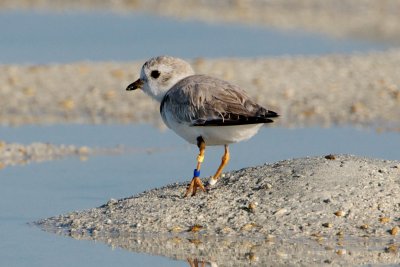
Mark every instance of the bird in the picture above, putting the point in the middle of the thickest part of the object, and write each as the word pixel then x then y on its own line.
pixel 203 110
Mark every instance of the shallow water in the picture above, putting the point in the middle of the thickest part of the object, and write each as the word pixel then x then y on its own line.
pixel 43 37
pixel 41 190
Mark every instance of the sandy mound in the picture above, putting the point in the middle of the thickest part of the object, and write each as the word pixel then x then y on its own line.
pixel 297 202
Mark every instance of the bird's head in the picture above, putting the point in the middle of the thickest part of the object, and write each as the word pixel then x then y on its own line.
pixel 159 74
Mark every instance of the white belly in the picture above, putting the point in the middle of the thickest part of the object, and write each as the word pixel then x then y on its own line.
pixel 216 135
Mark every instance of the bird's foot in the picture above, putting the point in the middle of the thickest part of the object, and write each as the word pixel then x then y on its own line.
pixel 194 185
pixel 210 184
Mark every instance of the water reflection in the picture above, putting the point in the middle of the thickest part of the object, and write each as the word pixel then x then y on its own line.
pixel 201 250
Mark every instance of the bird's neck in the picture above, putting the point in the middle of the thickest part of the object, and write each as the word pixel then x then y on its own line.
pixel 156 94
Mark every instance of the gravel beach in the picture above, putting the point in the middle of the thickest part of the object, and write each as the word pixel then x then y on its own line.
pixel 360 90
pixel 334 207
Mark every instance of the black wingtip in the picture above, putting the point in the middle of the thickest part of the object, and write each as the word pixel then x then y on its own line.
pixel 271 114
pixel 240 120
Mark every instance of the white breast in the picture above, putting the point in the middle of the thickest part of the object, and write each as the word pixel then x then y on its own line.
pixel 215 135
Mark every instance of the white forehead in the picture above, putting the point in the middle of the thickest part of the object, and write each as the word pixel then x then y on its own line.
pixel 166 64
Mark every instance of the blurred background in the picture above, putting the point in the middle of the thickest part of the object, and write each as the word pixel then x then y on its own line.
pixel 66 31
pixel 330 68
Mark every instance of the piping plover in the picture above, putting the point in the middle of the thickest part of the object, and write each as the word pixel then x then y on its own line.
pixel 201 109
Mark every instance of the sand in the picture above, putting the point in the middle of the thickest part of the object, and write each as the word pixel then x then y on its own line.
pixel 338 209
pixel 361 90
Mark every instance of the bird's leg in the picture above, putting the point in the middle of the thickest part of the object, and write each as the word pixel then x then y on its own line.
pixel 195 263
pixel 196 182
pixel 224 162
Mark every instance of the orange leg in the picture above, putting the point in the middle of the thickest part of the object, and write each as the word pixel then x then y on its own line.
pixel 196 182
pixel 195 263
pixel 224 162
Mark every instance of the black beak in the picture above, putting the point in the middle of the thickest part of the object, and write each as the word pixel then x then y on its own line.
pixel 135 85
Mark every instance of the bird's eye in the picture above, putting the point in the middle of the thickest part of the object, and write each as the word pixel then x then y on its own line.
pixel 155 74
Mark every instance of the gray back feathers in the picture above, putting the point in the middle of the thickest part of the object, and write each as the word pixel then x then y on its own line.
pixel 200 100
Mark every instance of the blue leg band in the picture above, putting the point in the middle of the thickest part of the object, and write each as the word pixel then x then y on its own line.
pixel 196 173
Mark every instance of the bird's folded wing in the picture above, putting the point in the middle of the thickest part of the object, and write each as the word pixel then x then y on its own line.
pixel 205 101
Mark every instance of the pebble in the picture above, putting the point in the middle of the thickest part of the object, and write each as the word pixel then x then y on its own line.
pixel 196 228
pixel 330 156
pixel 112 201
pixel 341 252
pixel 248 227
pixel 252 206
pixel 393 248
pixel 176 229
pixel 280 212
pixel 268 186
pixel 327 225
pixel 384 219
pixel 340 233
pixel 340 213
pixel 394 230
